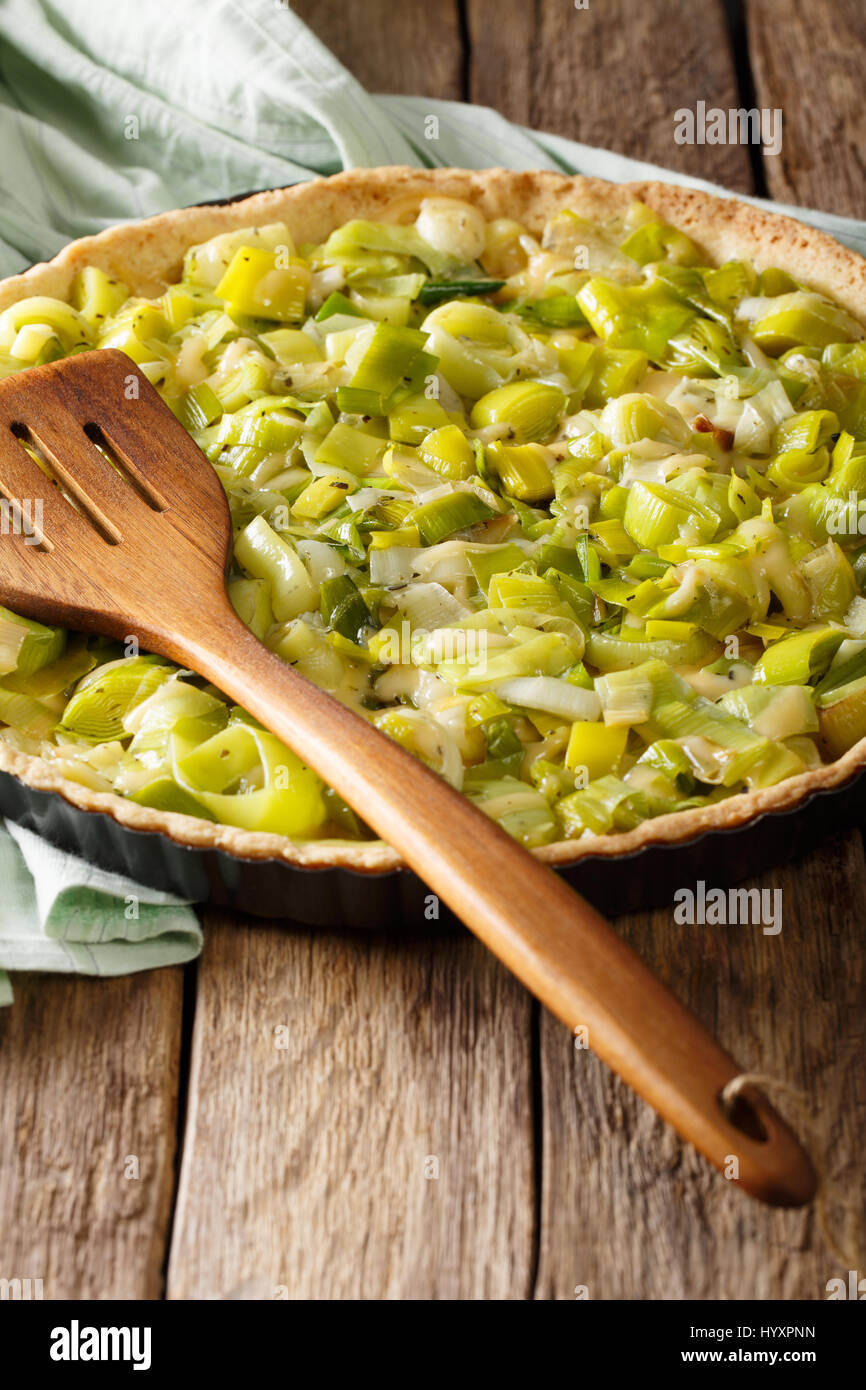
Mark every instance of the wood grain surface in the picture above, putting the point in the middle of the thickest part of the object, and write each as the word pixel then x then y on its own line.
pixel 88 1124
pixel 808 61
pixel 359 1120
pixel 612 74
pixel 414 47
pixel 303 1166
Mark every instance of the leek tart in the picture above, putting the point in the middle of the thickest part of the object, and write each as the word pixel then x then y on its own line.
pixel 556 482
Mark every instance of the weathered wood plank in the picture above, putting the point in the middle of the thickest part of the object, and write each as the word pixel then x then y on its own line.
pixel 613 74
pixel 89 1083
pixel 412 48
pixel 807 60
pixel 629 1212
pixel 333 1077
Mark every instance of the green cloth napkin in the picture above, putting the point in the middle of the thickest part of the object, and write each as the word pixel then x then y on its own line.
pixel 113 110
pixel 59 913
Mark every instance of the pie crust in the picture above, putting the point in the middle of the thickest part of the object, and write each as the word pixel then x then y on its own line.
pixel 148 255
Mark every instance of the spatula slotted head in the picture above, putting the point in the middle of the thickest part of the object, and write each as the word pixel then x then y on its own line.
pixel 122 525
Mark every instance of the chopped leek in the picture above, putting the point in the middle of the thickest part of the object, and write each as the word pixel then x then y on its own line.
pixel 588 539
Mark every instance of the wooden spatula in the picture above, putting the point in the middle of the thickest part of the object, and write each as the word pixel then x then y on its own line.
pixel 141 548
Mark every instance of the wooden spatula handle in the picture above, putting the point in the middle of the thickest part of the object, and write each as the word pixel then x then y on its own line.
pixel 552 940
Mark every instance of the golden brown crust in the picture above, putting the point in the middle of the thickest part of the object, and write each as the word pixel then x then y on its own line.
pixel 148 255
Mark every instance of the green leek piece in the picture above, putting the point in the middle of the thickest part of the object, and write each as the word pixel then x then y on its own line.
pixel 97 710
pixel 337 303
pixel 591 446
pixel 56 676
pixel 730 283
pixel 615 371
pixel 205 265
pixel 848 470
pixel 386 369
pixel 199 408
pixel 343 532
pixel 291 346
pixel 261 284
pixel 552 311
pixel 588 560
pixel 347 241
pixel 182 303
pixel 611 653
pixel 174 709
pixel 605 805
pixel 33 718
pixel 309 650
pixel 522 811
pixel 798 468
pixel 849 359
pixel 249 379
pixel 560 558
pixel 678 713
pixel 470 369
pixel 350 447
pixel 612 535
pixel 531 410
pixel 578 364
pixel 807 430
pixel 689 285
pixel 25 645
pixel 413 419
pixel 799 658
pixel 641 318
pixel 703 348
pixel 776 711
pixel 656 241
pixel 70 327
pixel 802 318
pixel 96 295
pixel 264 423
pixel 286 799
pixel 544 654
pixel 164 794
pixel 384 287
pixel 494 560
pixel 831 686
pixel 445 515
pixel 633 417
pixel 670 758
pixel 437 291
pixel 503 745
pixel 570 480
pixel 449 452
pixel 831 581
pixel 595 748
pixel 627 697
pixel 343 609
pixel 321 497
pixel 266 555
pixel 655 515
pixel 393 309
pixel 524 470
pixel 482 708
pixel 518 588
pixel 843 722
pixel 251 600
pixel 779 761
pixel 773 282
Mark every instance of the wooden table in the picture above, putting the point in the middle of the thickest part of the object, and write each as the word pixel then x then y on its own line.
pixel 343 1115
